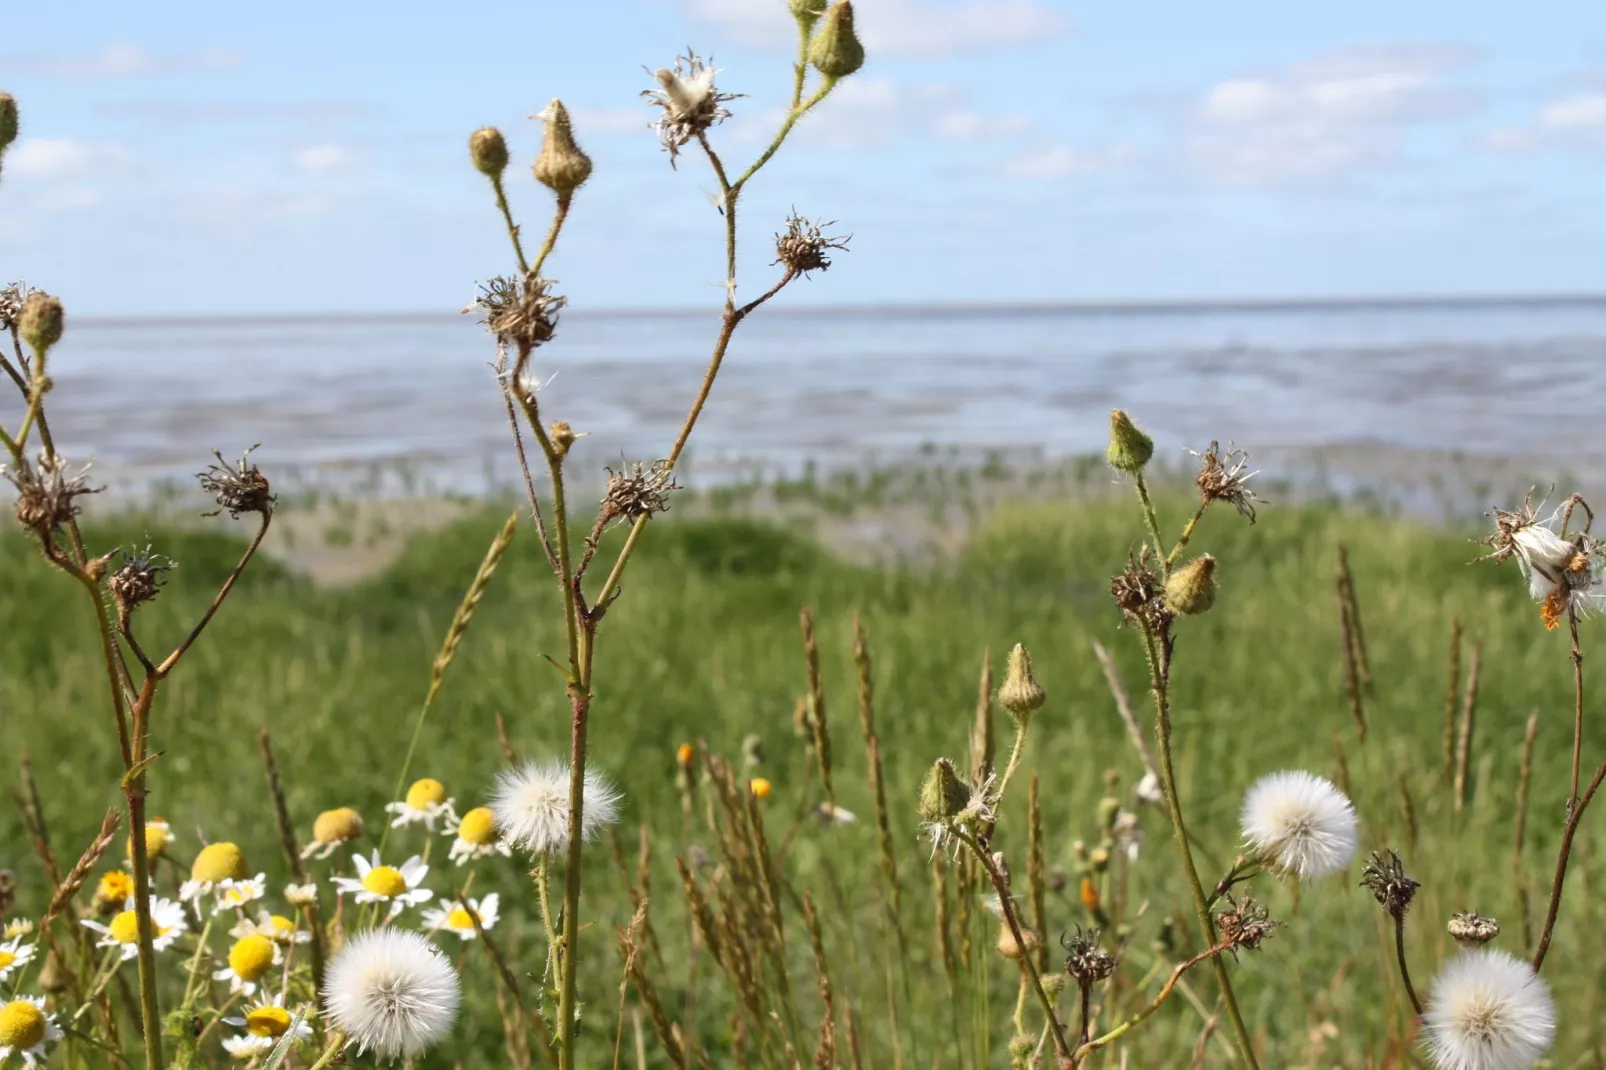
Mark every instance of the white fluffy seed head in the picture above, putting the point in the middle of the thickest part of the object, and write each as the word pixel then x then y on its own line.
pixel 1488 1011
pixel 531 805
pixel 393 991
pixel 1300 823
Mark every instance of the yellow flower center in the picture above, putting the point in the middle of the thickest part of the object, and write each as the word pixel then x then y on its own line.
pixel 267 1022
pixel 6 959
pixel 386 881
pixel 337 826
pixel 115 887
pixel 478 827
pixel 759 787
pixel 125 928
pixel 459 919
pixel 219 862
pixel 22 1025
pixel 157 837
pixel 426 793
pixel 282 927
pixel 251 956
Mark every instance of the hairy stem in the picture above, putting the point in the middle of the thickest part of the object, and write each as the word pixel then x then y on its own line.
pixel 1089 1047
pixel 1405 971
pixel 507 219
pixel 1150 519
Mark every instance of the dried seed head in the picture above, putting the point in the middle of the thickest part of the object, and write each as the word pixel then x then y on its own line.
pixel 1083 958
pixel 139 579
pixel 8 119
pixel 943 796
pixel 41 322
pixel 1013 949
pixel 488 151
pixel 1191 589
pixel 524 315
pixel 1245 924
pixel 1385 876
pixel 1140 593
pixel 1566 573
pixel 1021 693
pixel 802 246
pixel 12 298
pixel 561 166
pixel 638 492
pixel 690 102
pixel 241 488
pixel 47 494
pixel 1473 930
pixel 1129 449
pixel 1224 479
pixel 563 437
pixel 834 49
pixel 806 12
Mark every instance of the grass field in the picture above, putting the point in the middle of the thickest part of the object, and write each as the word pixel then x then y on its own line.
pixel 705 646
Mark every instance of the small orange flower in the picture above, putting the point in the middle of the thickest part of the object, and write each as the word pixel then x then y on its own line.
pixel 685 754
pixel 1090 894
pixel 759 787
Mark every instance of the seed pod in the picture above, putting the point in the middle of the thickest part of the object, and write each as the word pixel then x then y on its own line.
pixel 561 166
pixel 835 50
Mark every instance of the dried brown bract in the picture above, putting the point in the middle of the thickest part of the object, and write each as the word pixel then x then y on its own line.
pixel 803 246
pixel 1473 930
pixel 1140 593
pixel 1084 960
pixel 639 491
pixel 1385 876
pixel 241 488
pixel 1223 479
pixel 522 315
pixel 690 102
pixel 1245 924
pixel 12 298
pixel 47 494
pixel 139 579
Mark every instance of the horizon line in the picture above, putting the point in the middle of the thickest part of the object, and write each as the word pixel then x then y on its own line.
pixel 1162 306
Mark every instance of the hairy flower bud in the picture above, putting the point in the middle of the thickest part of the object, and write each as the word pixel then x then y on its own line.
pixel 1021 693
pixel 835 50
pixel 8 120
pixel 1129 449
pixel 561 166
pixel 943 795
pixel 41 322
pixel 806 12
pixel 488 149
pixel 1192 588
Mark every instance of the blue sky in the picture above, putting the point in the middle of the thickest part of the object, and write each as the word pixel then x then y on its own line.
pixel 282 157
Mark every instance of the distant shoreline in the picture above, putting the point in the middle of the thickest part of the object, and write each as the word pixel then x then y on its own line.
pixel 1356 303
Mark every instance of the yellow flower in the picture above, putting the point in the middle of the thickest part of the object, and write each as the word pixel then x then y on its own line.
pixel 331 829
pixel 426 802
pixel 760 787
pixel 158 834
pixel 114 889
pixel 250 958
pixel 477 837
pixel 685 754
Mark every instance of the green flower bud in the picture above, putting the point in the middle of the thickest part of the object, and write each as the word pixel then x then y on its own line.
pixel 488 150
pixel 1192 588
pixel 943 796
pixel 1109 806
pixel 806 12
pixel 835 50
pixel 1130 449
pixel 561 166
pixel 41 322
pixel 1021 693
pixel 8 120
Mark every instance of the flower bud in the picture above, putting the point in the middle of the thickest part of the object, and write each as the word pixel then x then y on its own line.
pixel 488 149
pixel 1011 948
pixel 561 166
pixel 943 796
pixel 41 322
pixel 835 50
pixel 1109 807
pixel 1021 693
pixel 1099 858
pixel 1192 588
pixel 806 12
pixel 8 120
pixel 1129 449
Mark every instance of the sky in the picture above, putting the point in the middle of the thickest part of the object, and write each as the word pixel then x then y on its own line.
pixel 205 159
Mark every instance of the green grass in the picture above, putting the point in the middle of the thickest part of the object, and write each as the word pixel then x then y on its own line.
pixel 704 646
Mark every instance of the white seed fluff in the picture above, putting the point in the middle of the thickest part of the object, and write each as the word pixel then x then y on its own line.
pixel 1300 823
pixel 391 990
pixel 531 805
pixel 1488 1011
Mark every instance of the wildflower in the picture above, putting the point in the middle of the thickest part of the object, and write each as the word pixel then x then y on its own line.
pixel 48 493
pixel 1300 823
pixel 532 806
pixel 1084 960
pixel 1021 693
pixel 1385 876
pixel 684 754
pixel 158 834
pixel 1149 789
pixel 13 955
pixel 301 895
pixel 391 990
pixel 562 166
pixel 114 888
pixel 265 1022
pixel 760 787
pixel 17 927
pixel 1564 574
pixel 1221 480
pixel 167 924
pixel 1140 593
pixel 41 322
pixel 831 814
pixel 1488 1011
pixel 1129 449
pixel 217 863
pixel 477 837
pixel 234 894
pixel 249 958
pixel 803 246
pixel 27 1029
pixel 379 883
pixel 276 927
pixel 331 829
pixel 426 802
pixel 239 489
pixel 638 492
pixel 690 102
pixel 834 49
pixel 487 150
pixel 1473 930
pixel 456 919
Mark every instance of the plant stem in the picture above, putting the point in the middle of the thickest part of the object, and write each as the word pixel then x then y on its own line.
pixel 1405 971
pixel 1087 1048
pixel 1187 533
pixel 1149 518
pixel 1561 865
pixel 1577 655
pixel 507 218
pixel 558 217
pixel 336 1042
pixel 580 703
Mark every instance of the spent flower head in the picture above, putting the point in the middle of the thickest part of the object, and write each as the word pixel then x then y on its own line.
pixel 140 577
pixel 1473 930
pixel 690 101
pixel 12 298
pixel 803 246
pixel 1244 924
pixel 238 488
pixel 531 804
pixel 392 991
pixel 1300 823
pixel 1566 573
pixel 1140 593
pixel 1223 479
pixel 1084 959
pixel 1385 876
pixel 47 493
pixel 1488 1010
pixel 521 314
pixel 637 491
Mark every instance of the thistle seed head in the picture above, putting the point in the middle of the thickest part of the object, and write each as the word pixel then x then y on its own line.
pixel 1385 876
pixel 638 491
pixel 523 315
pixel 240 488
pixel 47 494
pixel 1473 930
pixel 1245 924
pixel 690 102
pixel 1223 479
pixel 1140 594
pixel 139 579
pixel 1084 960
pixel 802 246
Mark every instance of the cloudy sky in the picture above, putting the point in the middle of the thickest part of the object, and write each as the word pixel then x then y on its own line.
pixel 297 156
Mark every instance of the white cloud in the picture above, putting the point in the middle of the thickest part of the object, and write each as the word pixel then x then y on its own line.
pixel 1064 161
pixel 322 159
pixel 870 113
pixel 63 158
pixel 122 61
pixel 1568 122
pixel 1321 117
pixel 1575 113
pixel 895 29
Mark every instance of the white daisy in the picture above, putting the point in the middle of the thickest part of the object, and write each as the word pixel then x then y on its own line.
pixel 532 806
pixel 426 803
pixel 250 958
pixel 17 927
pixel 265 1022
pixel 167 923
pixel 13 955
pixel 477 837
pixel 215 864
pixel 276 927
pixel 454 919
pixel 379 883
pixel 331 829
pixel 1300 823
pixel 27 1029
pixel 301 895
pixel 1488 1011
pixel 391 990
pixel 235 894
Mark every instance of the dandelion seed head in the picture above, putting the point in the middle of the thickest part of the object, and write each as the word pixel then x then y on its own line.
pixel 1488 1011
pixel 1300 823
pixel 392 991
pixel 531 804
